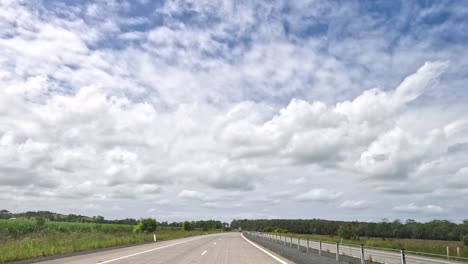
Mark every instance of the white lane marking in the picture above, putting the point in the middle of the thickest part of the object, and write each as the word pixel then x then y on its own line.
pixel 146 251
pixel 268 253
pixel 204 252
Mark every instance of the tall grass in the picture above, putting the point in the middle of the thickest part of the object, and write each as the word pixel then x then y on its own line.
pixel 22 227
pixel 23 239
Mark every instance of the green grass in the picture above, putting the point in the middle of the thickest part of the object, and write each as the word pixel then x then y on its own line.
pixel 171 228
pixel 415 245
pixel 23 239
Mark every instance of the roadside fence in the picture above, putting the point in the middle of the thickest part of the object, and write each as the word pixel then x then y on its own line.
pixel 347 253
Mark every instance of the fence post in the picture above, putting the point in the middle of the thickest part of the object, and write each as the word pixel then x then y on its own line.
pixel 320 248
pixel 154 237
pixel 307 250
pixel 458 251
pixel 448 253
pixel 290 242
pixel 363 261
pixel 337 251
pixel 299 244
pixel 403 257
pixel 285 237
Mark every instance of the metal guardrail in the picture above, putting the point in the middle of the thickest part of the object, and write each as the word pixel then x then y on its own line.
pixel 362 254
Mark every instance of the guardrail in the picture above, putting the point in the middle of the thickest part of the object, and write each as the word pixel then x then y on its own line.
pixel 362 254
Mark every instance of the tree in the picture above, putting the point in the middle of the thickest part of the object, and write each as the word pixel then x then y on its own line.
pixel 146 225
pixel 465 240
pixel 345 232
pixel 96 219
pixel 187 226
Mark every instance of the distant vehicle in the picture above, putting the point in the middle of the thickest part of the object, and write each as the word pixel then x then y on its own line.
pixel 239 229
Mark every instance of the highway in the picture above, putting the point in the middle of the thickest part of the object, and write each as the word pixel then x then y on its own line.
pixel 209 249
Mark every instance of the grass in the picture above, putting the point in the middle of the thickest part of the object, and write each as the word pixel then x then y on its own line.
pixel 414 245
pixel 24 239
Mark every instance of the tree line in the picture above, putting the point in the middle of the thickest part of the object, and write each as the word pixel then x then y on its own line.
pixel 435 230
pixel 51 216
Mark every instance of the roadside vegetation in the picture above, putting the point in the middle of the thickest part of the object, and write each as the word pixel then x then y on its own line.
pixel 24 239
pixel 431 237
pixel 432 230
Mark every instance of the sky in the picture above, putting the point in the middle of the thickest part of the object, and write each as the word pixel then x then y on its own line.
pixel 347 110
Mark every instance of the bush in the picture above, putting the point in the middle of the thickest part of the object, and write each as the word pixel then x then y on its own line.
pixel 281 230
pixel 465 240
pixel 146 225
pixel 187 226
pixel 345 232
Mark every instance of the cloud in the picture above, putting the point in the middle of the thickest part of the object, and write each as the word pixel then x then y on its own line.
pixel 319 195
pixel 355 204
pixel 459 179
pixel 191 194
pixel 146 102
pixel 413 208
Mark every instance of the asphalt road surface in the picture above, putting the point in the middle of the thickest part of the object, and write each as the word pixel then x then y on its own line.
pixel 210 249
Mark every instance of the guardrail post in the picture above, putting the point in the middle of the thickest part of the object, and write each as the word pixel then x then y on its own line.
pixel 403 257
pixel 285 237
pixel 298 244
pixel 320 248
pixel 363 261
pixel 448 253
pixel 337 251
pixel 307 250
pixel 290 242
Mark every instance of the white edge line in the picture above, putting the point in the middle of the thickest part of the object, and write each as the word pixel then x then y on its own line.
pixel 146 251
pixel 204 252
pixel 264 251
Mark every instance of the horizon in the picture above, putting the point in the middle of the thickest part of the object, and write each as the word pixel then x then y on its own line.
pixel 403 221
pixel 245 110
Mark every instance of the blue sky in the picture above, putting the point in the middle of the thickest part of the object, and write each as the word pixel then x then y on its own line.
pixel 236 109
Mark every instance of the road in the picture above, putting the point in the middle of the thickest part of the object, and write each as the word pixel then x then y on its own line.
pixel 380 256
pixel 210 249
